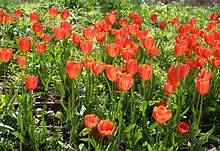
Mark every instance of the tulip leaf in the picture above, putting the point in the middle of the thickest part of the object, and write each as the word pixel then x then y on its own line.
pixel 184 112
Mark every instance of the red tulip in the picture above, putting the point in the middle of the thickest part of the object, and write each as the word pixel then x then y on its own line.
pixel 153 51
pixel 134 15
pixel 217 52
pixel 46 37
pixel 175 21
pixel 162 25
pixel 88 33
pixel 24 44
pixel 31 82
pixel 21 60
pixel 179 49
pixel 184 70
pixel 205 74
pixel 110 18
pixel 209 38
pixel 148 43
pixel 41 47
pixel 211 25
pixel 137 21
pixel 98 67
pixel 76 38
pixel 88 63
pixel 193 22
pixel 6 54
pixel 202 85
pixel 2 13
pixel 65 14
pixel 153 17
pixel 73 69
pixel 173 73
pixel 105 128
pixel 18 13
pixel 106 26
pixel 100 37
pixel 53 11
pixel 9 18
pixel 127 54
pixel 67 28
pixel 183 128
pixel 145 72
pixel 124 81
pixel 123 22
pixel 161 114
pixel 131 66
pixel 91 120
pixel 133 29
pixel 112 72
pixel 112 49
pixel 200 61
pixel 34 17
pixel 85 47
pixel 141 34
pixel 213 16
pixel 168 88
pixel 191 63
pixel 216 62
pixel 59 33
pixel 37 27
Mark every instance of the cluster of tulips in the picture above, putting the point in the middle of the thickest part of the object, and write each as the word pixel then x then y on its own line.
pixel 120 65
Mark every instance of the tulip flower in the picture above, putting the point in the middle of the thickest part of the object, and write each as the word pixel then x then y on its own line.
pixel 46 37
pixel 88 63
pixel 98 67
pixel 53 11
pixel 123 22
pixel 175 21
pixel 105 127
pixel 85 47
pixel 162 25
pixel 21 60
pixel 34 17
pixel 173 73
pixel 184 70
pixel 100 37
pixel 183 128
pixel 112 72
pixel 59 33
pixel 213 16
pixel 148 43
pixel 76 38
pixel 31 82
pixel 67 28
pixel 24 44
pixel 131 66
pixel 6 54
pixel 65 14
pixel 41 47
pixel 18 13
pixel 112 49
pixel 110 18
pixel 202 85
pixel 193 22
pixel 153 51
pixel 91 120
pixel 133 29
pixel 124 81
pixel 88 33
pixel 73 69
pixel 215 62
pixel 145 72
pixel 179 49
pixel 9 18
pixel 153 17
pixel 161 114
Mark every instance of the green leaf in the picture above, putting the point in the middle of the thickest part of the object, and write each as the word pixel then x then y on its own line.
pixel 149 147
pixel 84 139
pixel 184 112
pixel 153 126
pixel 129 128
pixel 6 127
pixel 18 135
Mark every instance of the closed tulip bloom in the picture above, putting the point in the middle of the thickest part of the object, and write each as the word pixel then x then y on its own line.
pixel 148 43
pixel 154 51
pixel 124 81
pixel 110 18
pixel 216 62
pixel 202 85
pixel 153 17
pixel 134 15
pixel 213 16
pixel 137 21
pixel 88 33
pixel 53 11
pixel 73 69
pixel 85 47
pixel 209 38
pixel 67 28
pixel 145 72
pixel 91 120
pixel 24 44
pixel 161 115
pixel 65 14
pixel 141 34
pixel 46 37
pixel 9 18
pixel 184 70
pixel 31 82
pixel 18 13
pixel 173 73
pixel 76 38
pixel 175 21
pixel 112 72
pixel 98 67
pixel 99 26
pixel 217 52
pixel 106 26
pixel 193 22
pixel 37 27
pixel 211 25
pixel 21 60
pixel 105 128
pixel 2 12
pixel 123 22
pixel 168 88
pixel 59 33
pixel 100 37
pixel 131 66
pixel 133 29
pixel 41 47
pixel 200 61
pixel 179 49
pixel 112 49
pixel 183 128
pixel 88 63
pixel 127 54
pixel 34 17
pixel 6 54
pixel 162 25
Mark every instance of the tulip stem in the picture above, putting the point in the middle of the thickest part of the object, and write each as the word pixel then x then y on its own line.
pixel 4 79
pixel 89 147
pixel 72 109
pixel 132 105
pixel 200 111
pixel 120 116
